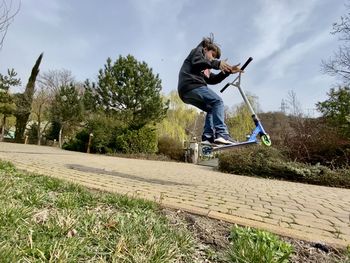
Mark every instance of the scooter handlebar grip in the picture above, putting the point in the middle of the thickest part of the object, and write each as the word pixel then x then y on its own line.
pixel 226 86
pixel 246 63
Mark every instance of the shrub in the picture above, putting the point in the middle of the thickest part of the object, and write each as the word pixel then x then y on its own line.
pixel 143 140
pixel 79 143
pixel 53 131
pixel 111 135
pixel 269 162
pixel 308 140
pixel 171 147
pixel 250 245
pixel 104 129
pixel 249 161
pixel 315 141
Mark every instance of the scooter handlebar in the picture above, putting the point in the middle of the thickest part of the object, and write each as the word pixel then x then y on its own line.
pixel 226 86
pixel 246 63
pixel 242 68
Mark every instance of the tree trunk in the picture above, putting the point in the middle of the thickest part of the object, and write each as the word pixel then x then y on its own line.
pixel 21 123
pixel 39 132
pixel 60 137
pixel 39 126
pixel 3 128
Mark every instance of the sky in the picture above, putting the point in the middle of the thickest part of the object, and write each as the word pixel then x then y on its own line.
pixel 287 39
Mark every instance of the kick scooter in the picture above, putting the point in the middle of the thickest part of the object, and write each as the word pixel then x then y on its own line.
pixel 257 133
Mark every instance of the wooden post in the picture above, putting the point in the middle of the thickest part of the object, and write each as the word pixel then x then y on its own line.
pixel 89 144
pixel 194 152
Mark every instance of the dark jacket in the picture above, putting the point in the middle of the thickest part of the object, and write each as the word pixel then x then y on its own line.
pixel 191 74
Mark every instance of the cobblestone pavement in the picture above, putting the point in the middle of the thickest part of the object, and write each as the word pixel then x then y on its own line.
pixel 308 212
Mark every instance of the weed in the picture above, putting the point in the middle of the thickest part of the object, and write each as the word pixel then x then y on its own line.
pixel 250 245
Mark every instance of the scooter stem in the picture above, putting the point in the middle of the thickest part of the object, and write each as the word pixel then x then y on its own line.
pixel 244 96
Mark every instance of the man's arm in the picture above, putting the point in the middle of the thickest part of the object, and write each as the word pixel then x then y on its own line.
pixel 216 78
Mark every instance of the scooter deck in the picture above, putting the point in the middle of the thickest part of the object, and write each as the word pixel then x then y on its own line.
pixel 230 146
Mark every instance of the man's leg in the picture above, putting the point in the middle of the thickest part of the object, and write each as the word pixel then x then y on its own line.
pixel 221 130
pixel 208 101
pixel 218 112
pixel 208 131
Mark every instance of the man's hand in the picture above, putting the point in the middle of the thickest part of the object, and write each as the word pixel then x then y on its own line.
pixel 224 66
pixel 236 69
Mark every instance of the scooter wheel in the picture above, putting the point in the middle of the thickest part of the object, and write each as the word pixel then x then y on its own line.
pixel 265 139
pixel 206 150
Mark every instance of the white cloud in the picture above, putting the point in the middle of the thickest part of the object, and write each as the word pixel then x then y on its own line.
pixel 296 55
pixel 48 13
pixel 277 22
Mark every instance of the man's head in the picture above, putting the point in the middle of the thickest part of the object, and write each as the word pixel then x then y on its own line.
pixel 210 54
pixel 211 49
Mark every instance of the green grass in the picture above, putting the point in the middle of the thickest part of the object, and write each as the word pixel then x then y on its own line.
pixel 347 254
pixel 255 246
pixel 47 220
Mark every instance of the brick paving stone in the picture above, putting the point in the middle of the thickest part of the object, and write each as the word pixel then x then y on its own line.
pixel 275 222
pixel 333 220
pixel 274 208
pixel 309 212
pixel 316 231
pixel 304 221
pixel 345 218
pixel 299 212
pixel 283 218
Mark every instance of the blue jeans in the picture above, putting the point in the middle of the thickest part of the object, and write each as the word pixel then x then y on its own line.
pixel 207 100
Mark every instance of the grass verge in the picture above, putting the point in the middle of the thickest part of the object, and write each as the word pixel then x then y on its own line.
pixel 45 219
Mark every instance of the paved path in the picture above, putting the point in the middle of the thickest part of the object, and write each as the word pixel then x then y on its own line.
pixel 297 210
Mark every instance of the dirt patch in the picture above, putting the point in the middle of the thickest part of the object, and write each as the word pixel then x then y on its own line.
pixel 212 240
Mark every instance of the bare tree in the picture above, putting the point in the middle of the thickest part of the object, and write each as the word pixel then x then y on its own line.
pixel 41 102
pixel 49 85
pixel 339 64
pixel 294 104
pixel 53 80
pixel 7 14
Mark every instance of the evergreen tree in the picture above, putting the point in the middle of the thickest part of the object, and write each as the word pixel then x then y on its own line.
pixel 129 89
pixel 89 98
pixel 336 109
pixel 67 108
pixel 24 102
pixel 7 105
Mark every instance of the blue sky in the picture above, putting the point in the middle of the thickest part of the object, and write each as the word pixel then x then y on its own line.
pixel 288 40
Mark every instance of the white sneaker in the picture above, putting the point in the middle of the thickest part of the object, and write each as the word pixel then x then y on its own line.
pixel 206 142
pixel 225 140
